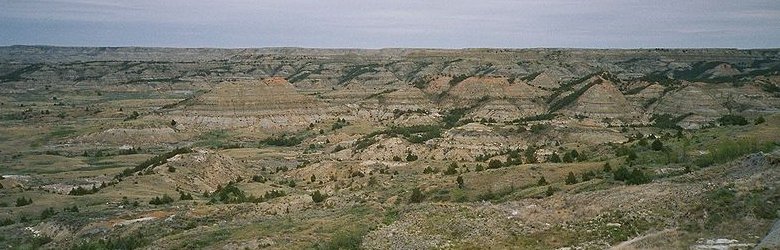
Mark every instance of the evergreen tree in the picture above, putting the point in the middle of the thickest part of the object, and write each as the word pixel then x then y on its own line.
pixel 554 158
pixel 571 179
pixel 550 191
pixel 657 145
pixel 530 155
pixel 460 181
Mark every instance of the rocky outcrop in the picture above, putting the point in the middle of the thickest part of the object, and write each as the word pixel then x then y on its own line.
pixel 200 171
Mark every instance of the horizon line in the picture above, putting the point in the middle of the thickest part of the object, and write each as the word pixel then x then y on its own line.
pixel 389 48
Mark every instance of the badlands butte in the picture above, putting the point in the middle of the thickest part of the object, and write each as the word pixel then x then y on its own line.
pixel 289 148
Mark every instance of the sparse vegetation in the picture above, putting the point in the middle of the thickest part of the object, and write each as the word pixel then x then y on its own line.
pixel 728 150
pixel 378 150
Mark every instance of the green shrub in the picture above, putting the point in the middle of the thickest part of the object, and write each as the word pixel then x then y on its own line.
pixel 539 128
pixel 493 164
pixel 184 196
pixel 411 157
pixel 457 79
pixel 759 120
pixel 282 141
pixel 48 213
pixel 542 181
pixel 416 196
pixel 6 222
pixel 340 123
pixel 132 241
pixel 73 209
pixel 153 162
pixel 273 194
pixel 318 197
pixel 132 116
pixel 161 201
pixel 633 177
pixel 554 158
pixel 348 239
pixel 83 191
pixel 258 178
pixel 452 169
pixel 668 121
pixel 607 168
pixel 729 120
pixel 21 201
pixel 452 117
pixel 563 102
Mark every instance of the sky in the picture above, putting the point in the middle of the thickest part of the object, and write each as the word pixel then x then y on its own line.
pixel 393 23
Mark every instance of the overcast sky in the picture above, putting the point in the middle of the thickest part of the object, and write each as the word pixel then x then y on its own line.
pixel 392 23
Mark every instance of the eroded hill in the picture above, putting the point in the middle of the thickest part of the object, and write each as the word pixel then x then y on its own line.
pixel 393 148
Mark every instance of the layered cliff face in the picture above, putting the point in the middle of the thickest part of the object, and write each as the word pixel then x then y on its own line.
pixel 603 101
pixel 264 104
pixel 691 100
